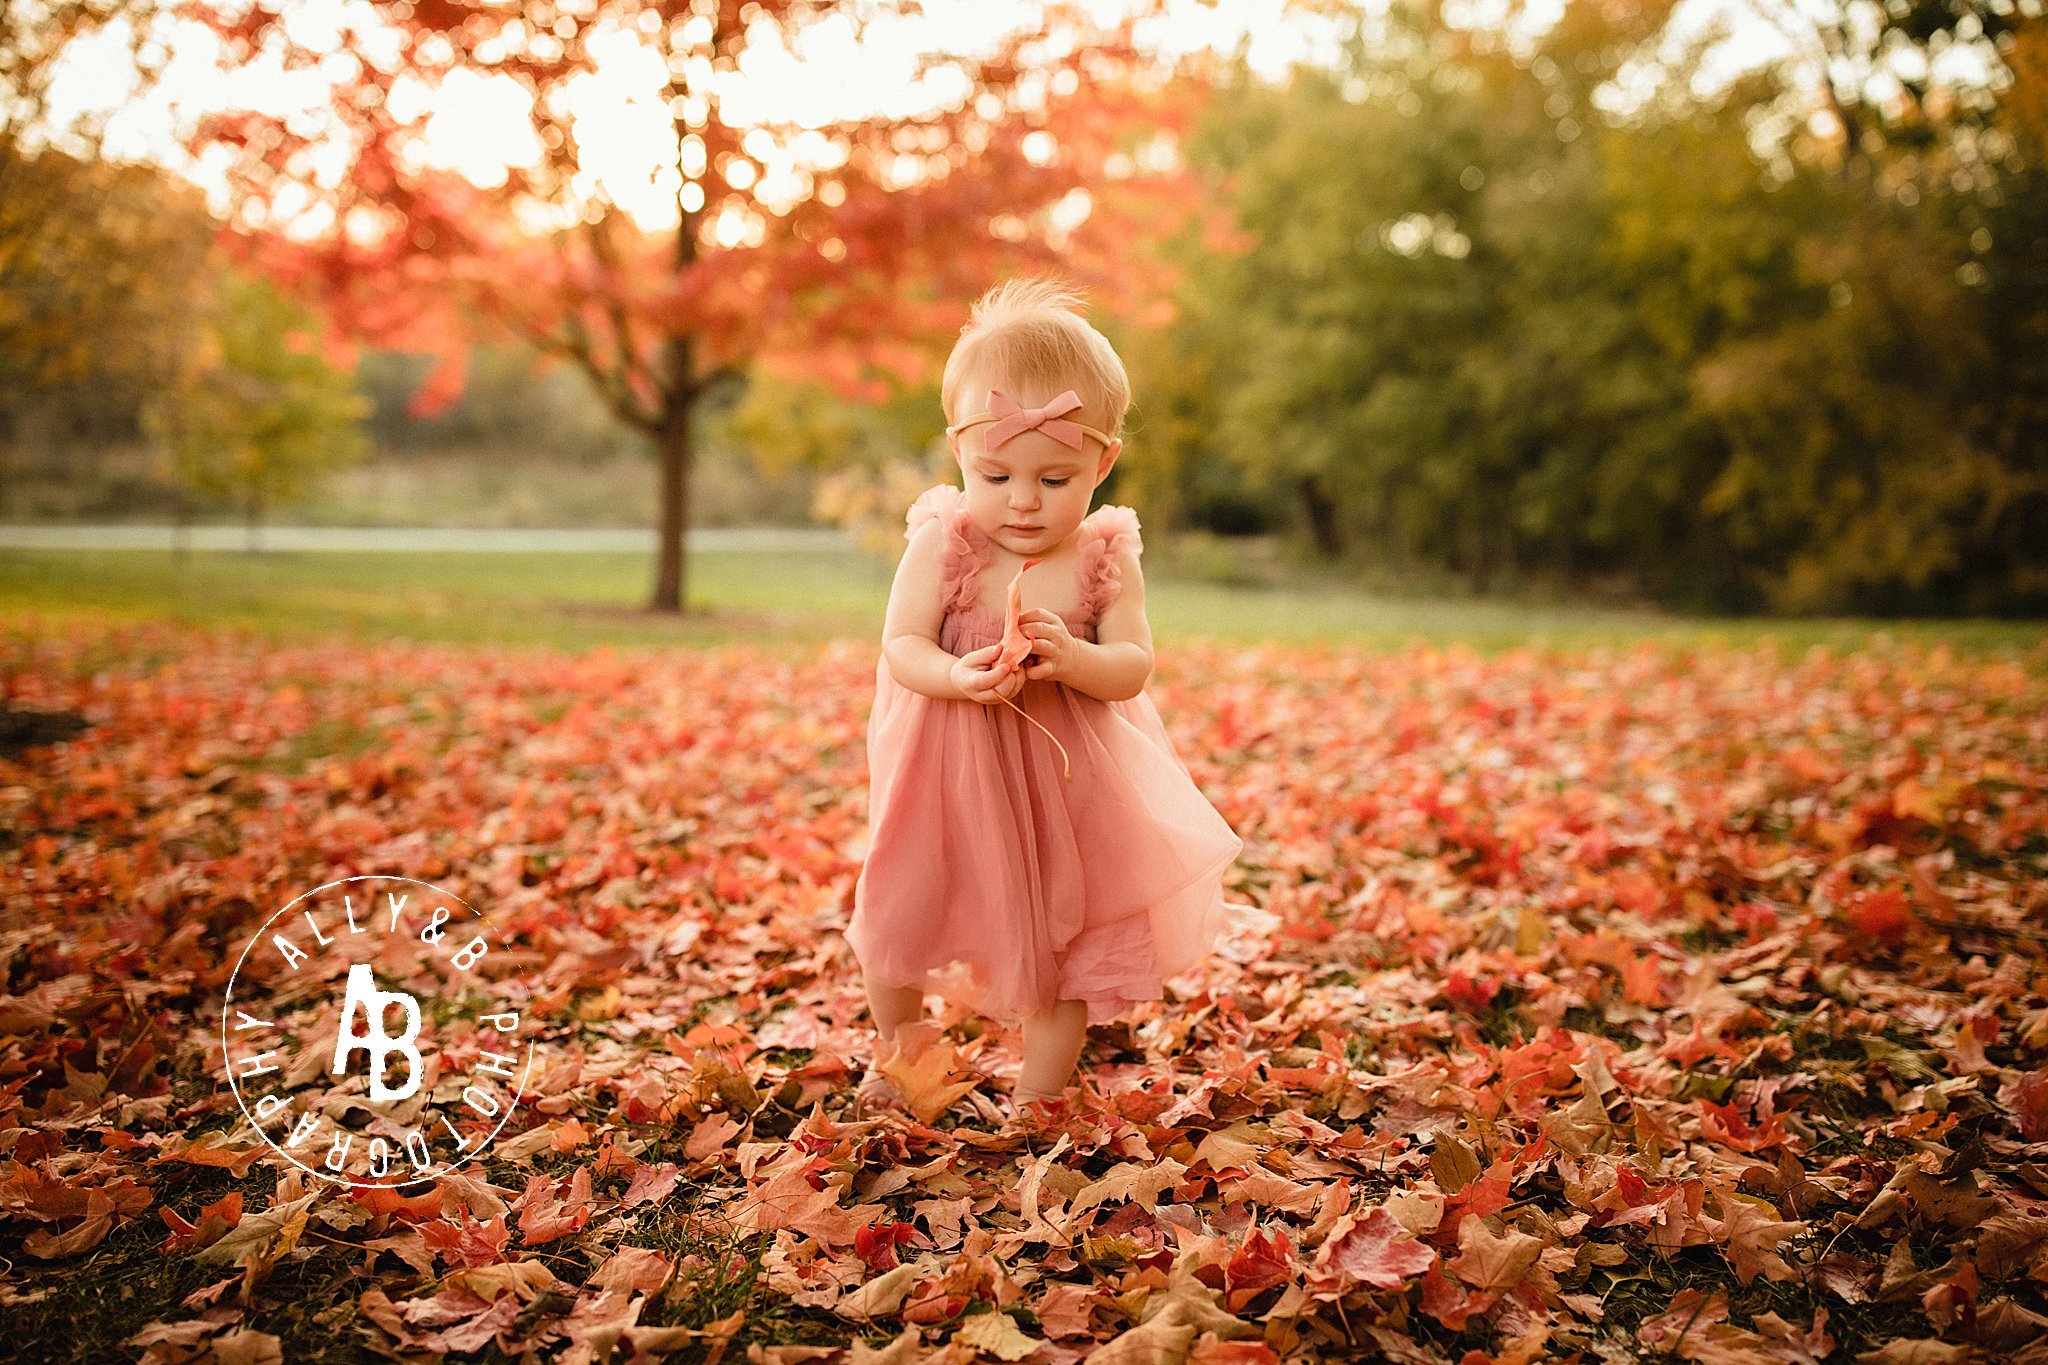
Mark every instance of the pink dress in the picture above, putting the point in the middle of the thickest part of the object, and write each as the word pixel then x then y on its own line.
pixel 992 880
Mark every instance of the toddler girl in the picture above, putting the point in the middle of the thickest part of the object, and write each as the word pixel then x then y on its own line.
pixel 1052 890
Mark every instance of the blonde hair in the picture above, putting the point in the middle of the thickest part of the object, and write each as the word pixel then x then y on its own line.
pixel 1031 332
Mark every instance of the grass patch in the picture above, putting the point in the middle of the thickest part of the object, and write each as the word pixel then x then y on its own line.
pixel 93 1304
pixel 577 602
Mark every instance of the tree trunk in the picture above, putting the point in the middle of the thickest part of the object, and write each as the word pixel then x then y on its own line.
pixel 1479 547
pixel 181 527
pixel 1322 517
pixel 674 452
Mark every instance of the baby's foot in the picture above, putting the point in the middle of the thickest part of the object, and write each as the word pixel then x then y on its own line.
pixel 875 1092
pixel 1027 1108
pixel 988 1110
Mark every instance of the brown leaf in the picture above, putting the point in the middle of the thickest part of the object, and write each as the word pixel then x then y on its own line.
pixel 1750 1238
pixel 245 1346
pixel 1140 1183
pixel 99 1220
pixel 1915 1353
pixel 2007 1325
pixel 1453 1164
pixel 1490 1262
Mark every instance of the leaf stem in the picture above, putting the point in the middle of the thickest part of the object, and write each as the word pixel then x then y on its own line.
pixel 1066 770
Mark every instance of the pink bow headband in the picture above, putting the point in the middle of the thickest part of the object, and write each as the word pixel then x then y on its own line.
pixel 1010 419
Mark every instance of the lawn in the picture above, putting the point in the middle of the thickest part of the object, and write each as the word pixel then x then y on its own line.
pixel 578 601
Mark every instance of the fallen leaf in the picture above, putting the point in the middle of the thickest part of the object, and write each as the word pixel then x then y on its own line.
pixel 1489 1261
pixel 553 1208
pixel 214 1220
pixel 996 1334
pixel 1374 1250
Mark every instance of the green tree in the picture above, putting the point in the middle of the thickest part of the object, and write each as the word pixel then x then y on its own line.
pixel 258 408
pixel 1877 392
pixel 1411 332
pixel 1484 321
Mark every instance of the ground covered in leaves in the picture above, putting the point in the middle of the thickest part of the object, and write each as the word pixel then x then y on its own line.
pixel 1661 1003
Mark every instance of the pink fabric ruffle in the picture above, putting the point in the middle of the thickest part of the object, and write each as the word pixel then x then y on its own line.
pixel 1116 531
pixel 963 553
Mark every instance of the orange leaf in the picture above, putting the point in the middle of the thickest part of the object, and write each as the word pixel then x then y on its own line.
pixel 214 1220
pixel 1493 1264
pixel 1017 649
pixel 1265 1259
pixel 1880 915
pixel 468 1242
pixel 1016 644
pixel 554 1209
pixel 924 1071
pixel 379 1199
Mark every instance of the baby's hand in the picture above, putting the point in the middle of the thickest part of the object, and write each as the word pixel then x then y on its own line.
pixel 1052 644
pixel 979 682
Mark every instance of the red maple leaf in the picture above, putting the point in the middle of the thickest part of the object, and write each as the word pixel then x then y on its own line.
pixel 1264 1259
pixel 554 1208
pixel 1374 1250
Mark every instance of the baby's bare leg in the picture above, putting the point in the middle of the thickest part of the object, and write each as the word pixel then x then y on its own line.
pixel 1052 1044
pixel 893 1005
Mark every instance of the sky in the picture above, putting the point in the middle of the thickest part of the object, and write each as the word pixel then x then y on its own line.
pixel 478 126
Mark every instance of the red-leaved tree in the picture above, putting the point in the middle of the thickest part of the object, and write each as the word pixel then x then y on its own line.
pixel 862 273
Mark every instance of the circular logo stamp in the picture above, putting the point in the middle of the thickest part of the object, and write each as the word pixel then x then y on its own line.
pixel 369 1038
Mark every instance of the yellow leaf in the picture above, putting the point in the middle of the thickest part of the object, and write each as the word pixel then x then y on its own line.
pixel 269 1234
pixel 996 1334
pixel 882 1295
pixel 923 1071
pixel 1532 930
pixel 1141 1183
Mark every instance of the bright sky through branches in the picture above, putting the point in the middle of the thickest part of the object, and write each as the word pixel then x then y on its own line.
pixel 478 126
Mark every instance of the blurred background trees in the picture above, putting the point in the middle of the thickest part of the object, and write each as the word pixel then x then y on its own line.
pixel 1491 326
pixel 138 370
pixel 831 244
pixel 253 409
pixel 1540 313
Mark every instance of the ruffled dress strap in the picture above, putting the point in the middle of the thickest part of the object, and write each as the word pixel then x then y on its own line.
pixel 962 554
pixel 1116 531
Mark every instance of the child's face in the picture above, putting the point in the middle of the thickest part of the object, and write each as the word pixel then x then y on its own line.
pixel 1030 494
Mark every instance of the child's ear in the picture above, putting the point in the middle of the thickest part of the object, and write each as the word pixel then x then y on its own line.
pixel 1109 454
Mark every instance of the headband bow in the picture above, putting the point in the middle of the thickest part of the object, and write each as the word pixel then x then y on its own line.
pixel 1011 418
